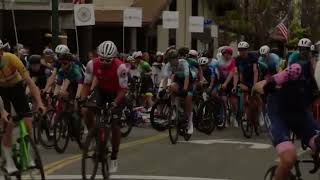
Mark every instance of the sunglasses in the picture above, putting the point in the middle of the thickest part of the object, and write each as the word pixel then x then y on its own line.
pixel 107 60
pixel 304 49
pixel 65 62
pixel 242 50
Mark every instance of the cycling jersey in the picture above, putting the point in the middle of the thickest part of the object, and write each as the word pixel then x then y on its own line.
pixel 73 74
pixel 225 68
pixel 144 67
pixel 11 70
pixel 295 57
pixel 112 78
pixel 194 67
pixel 180 71
pixel 210 72
pixel 245 68
pixel 40 76
pixel 268 65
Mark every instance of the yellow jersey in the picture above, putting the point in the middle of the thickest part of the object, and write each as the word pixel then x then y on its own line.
pixel 11 70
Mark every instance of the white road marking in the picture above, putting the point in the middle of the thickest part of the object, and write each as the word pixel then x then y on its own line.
pixel 137 177
pixel 252 145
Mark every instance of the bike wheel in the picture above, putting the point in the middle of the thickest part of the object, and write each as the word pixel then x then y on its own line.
pixel 270 174
pixel 104 155
pixel 222 115
pixel 36 171
pixel 126 121
pixel 159 115
pixel 61 133
pixel 46 130
pixel 206 122
pixel 90 159
pixel 246 126
pixel 173 120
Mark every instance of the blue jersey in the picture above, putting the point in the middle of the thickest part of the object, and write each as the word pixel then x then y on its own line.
pixel 210 71
pixel 245 68
pixel 268 65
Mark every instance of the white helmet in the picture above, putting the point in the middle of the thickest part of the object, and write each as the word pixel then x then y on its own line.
pixel 62 49
pixel 193 53
pixel 203 60
pixel 1 44
pixel 137 54
pixel 264 50
pixel 243 45
pixel 305 42
pixel 107 49
pixel 130 58
pixel 159 53
pixel 313 48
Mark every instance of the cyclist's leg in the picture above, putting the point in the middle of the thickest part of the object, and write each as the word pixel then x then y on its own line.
pixel 308 130
pixel 280 136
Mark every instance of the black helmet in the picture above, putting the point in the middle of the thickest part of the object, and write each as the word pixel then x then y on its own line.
pixel 172 54
pixel 183 51
pixel 66 57
pixel 34 59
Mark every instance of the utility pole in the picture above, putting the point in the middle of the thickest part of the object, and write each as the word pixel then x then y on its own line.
pixel 55 22
pixel 2 14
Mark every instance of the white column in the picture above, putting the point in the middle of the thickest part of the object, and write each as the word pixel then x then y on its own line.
pixel 183 36
pixel 162 38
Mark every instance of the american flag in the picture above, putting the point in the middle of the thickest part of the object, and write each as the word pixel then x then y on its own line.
pixel 281 30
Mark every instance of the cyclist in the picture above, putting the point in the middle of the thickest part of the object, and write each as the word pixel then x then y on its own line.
pixel 156 68
pixel 146 81
pixel 209 72
pixel 226 67
pixel 287 108
pixel 178 70
pixel 69 77
pixel 60 50
pixel 109 84
pixel 38 72
pixel 12 90
pixel 48 58
pixel 268 63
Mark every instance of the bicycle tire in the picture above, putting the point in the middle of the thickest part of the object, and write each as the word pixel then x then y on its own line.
pixel 37 157
pixel 205 118
pixel 271 173
pixel 104 155
pixel 246 126
pixel 61 125
pixel 127 121
pixel 173 125
pixel 156 125
pixel 225 113
pixel 44 130
pixel 86 149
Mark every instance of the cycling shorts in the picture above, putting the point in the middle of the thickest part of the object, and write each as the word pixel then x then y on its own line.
pixel 191 87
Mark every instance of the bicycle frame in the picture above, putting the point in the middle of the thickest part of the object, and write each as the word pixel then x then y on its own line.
pixel 23 146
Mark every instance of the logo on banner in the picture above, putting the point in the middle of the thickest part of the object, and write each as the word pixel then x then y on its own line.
pixel 170 19
pixel 84 14
pixel 196 24
pixel 132 17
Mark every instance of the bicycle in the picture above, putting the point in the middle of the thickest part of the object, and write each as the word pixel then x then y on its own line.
pixel 126 119
pixel 67 125
pixel 159 113
pixel 178 121
pixel 248 126
pixel 21 149
pixel 96 147
pixel 296 174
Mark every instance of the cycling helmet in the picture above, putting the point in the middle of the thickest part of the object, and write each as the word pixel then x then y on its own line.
pixel 172 54
pixel 137 54
pixel 305 42
pixel 227 50
pixel 203 60
pixel 48 52
pixel 130 58
pixel 107 49
pixel 183 51
pixel 243 45
pixel 2 46
pixel 66 57
pixel 62 49
pixel 264 50
pixel 193 53
pixel 34 59
pixel 313 48
pixel 159 53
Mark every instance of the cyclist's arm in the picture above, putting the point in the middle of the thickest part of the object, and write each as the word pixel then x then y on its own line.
pixel 88 78
pixel 123 82
pixel 229 78
pixel 51 80
pixel 236 77
pixel 186 76
pixel 255 73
